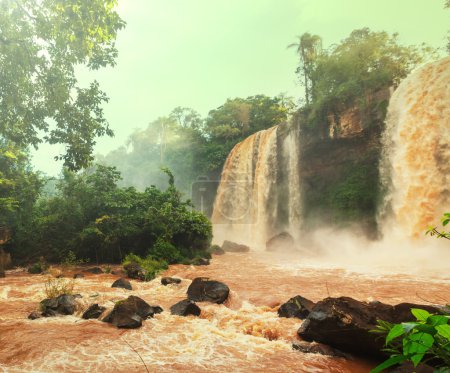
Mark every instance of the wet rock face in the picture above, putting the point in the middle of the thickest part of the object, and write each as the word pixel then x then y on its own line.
pixel 344 323
pixel 34 315
pixel 135 271
pixel 204 290
pixel 298 307
pixel 170 280
pixel 130 312
pixel 233 247
pixel 281 242
pixel 122 283
pixel 93 312
pixel 184 308
pixel 62 305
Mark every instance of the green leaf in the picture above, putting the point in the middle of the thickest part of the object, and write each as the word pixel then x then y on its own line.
pixel 416 359
pixel 417 343
pixel 419 314
pixel 408 326
pixel 388 363
pixel 444 331
pixel 437 320
pixel 395 332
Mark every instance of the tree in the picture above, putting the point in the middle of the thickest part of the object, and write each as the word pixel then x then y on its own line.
pixel 447 5
pixel 308 48
pixel 41 42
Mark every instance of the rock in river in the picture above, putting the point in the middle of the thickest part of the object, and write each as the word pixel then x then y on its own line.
pixel 298 307
pixel 203 289
pixel 130 312
pixel 184 308
pixel 233 247
pixel 122 283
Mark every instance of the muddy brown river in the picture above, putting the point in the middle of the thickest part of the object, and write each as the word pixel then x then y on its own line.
pixel 243 335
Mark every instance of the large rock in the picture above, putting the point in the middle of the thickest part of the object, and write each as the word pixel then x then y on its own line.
pixel 298 307
pixel 281 242
pixel 94 270
pixel 344 323
pixel 170 280
pixel 184 308
pixel 203 289
pixel 62 305
pixel 122 283
pixel 135 271
pixel 216 250
pixel 233 247
pixel 93 312
pixel 130 312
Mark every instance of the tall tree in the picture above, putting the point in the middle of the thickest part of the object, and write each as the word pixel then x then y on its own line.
pixel 41 42
pixel 308 48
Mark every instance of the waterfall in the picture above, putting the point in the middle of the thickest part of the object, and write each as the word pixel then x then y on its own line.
pixel 415 166
pixel 259 191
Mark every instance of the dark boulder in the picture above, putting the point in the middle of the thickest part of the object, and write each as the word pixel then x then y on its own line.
pixel 202 289
pixel 200 261
pixel 281 242
pixel 122 283
pixel 170 280
pixel 78 275
pixel 233 247
pixel 216 250
pixel 2 273
pixel 130 312
pixel 135 271
pixel 94 270
pixel 184 308
pixel 344 323
pixel 34 315
pixel 93 312
pixel 298 307
pixel 62 305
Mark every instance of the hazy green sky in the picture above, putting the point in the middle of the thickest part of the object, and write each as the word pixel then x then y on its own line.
pixel 198 53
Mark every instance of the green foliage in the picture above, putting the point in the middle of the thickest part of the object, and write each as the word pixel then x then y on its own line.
pixel 149 264
pixel 432 231
pixel 425 340
pixel 41 43
pixel 39 267
pixel 70 260
pixel 91 217
pixel 349 72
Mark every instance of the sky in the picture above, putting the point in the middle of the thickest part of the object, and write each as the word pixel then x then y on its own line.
pixel 198 53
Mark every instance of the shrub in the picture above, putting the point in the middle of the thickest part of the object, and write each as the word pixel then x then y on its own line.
pixel 55 287
pixel 425 340
pixel 38 267
pixel 150 265
pixel 71 260
pixel 163 250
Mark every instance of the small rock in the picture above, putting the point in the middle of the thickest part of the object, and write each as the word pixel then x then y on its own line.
pixel 202 289
pixel 135 271
pixel 122 283
pixel 317 348
pixel 94 270
pixel 170 280
pixel 281 242
pixel 34 315
pixel 216 250
pixel 78 275
pixel 184 308
pixel 200 262
pixel 93 312
pixel 298 307
pixel 233 247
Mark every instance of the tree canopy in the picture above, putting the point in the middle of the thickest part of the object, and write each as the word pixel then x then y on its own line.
pixel 41 44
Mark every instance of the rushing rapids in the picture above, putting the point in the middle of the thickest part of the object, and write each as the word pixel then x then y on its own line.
pixel 259 191
pixel 243 335
pixel 416 146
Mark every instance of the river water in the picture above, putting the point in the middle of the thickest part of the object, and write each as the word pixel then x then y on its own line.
pixel 243 335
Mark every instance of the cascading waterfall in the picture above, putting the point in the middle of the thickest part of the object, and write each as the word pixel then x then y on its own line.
pixel 259 194
pixel 416 151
